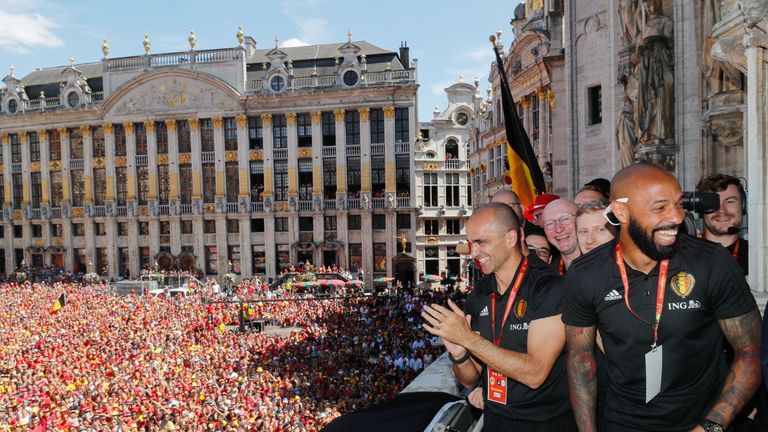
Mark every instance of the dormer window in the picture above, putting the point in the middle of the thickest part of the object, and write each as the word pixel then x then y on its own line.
pixel 350 78
pixel 277 83
pixel 73 99
pixel 13 106
pixel 462 118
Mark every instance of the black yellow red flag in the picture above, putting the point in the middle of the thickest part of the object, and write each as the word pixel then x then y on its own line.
pixel 60 302
pixel 523 173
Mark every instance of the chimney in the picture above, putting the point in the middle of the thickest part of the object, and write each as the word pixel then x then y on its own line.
pixel 404 57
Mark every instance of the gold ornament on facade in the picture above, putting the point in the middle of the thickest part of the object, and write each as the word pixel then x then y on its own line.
pixel 185 158
pixel 230 156
pixel 255 155
pixel 85 130
pixel 170 124
pixel 107 127
pixel 525 102
pixel 242 120
pixel 62 133
pixel 316 117
pixel 240 35
pixel 78 212
pixel 4 138
pixel 339 114
pixel 42 134
pixel 266 120
pixel 364 113
pixel 210 209
pixel 34 167
pixel 128 127
pixel 194 124
pixel 432 240
pixel 192 39
pixel 551 96
pixel 54 166
pixel 541 93
pixel 98 162
pixel 430 166
pixel 389 112
pixel 17 214
pixel 142 211
pixel 23 137
pixel 149 126
pixel 147 44
pixel 162 159
pixel 1 170
pixel 217 122
pixel 305 152
pixel 121 161
pixel 290 118
pixel 105 48
pixel 471 171
pixel 38 242
pixel 58 241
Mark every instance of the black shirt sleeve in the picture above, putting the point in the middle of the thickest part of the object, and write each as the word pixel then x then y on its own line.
pixel 578 308
pixel 548 297
pixel 470 308
pixel 729 294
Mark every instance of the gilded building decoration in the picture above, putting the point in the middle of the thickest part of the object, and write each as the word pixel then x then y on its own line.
pixel 128 127
pixel 551 96
pixel 17 214
pixel 217 121
pixel 4 138
pixel 230 156
pixel 194 124
pixel 23 137
pixel 107 128
pixel 316 117
pixel 34 167
pixel 541 93
pixel 281 206
pixel 149 125
pixel 432 240
pixel 305 152
pixel 63 132
pixel 78 212
pixel 266 120
pixel 162 159
pixel 58 241
pixel 98 162
pixel 364 113
pixel 121 161
pixel 38 242
pixel 170 124
pixel 185 158
pixel 389 112
pixel 166 95
pixel 42 134
pixel 525 102
pixel 242 120
pixel 86 130
pixel 255 155
pixel 290 118
pixel 54 165
pixel 142 211
pixel 430 166
pixel 339 114
pixel 1 170
pixel 210 208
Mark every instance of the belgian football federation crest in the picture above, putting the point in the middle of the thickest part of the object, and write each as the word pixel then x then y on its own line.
pixel 520 308
pixel 682 284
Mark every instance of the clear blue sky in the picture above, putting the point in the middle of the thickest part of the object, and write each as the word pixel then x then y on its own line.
pixel 450 38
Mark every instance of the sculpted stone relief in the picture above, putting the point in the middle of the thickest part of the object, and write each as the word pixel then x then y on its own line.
pixel 645 126
pixel 172 94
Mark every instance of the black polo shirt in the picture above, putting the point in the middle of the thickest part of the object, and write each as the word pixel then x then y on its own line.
pixel 541 293
pixel 694 365
pixel 742 257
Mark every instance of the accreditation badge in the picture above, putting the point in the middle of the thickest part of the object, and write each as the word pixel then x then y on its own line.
pixel 497 387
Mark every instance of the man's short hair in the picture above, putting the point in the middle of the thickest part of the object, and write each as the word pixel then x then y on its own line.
pixel 589 187
pixel 719 183
pixel 599 184
pixel 503 216
pixel 592 207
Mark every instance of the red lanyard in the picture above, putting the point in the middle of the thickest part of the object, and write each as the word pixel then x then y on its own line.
pixel 661 287
pixel 735 252
pixel 561 267
pixel 510 300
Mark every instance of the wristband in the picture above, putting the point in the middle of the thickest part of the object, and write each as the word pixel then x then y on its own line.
pixel 459 360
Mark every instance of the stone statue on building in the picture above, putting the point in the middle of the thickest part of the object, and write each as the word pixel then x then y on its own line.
pixel 654 70
pixel 625 133
pixel 630 18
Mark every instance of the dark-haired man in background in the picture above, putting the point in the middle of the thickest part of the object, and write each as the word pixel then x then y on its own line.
pixel 723 226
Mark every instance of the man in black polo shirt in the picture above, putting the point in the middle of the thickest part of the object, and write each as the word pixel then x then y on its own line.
pixel 516 348
pixel 664 353
pixel 723 226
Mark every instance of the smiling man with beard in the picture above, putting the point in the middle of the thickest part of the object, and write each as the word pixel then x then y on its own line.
pixel 723 226
pixel 664 303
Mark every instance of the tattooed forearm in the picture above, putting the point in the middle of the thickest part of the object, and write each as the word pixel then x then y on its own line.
pixel 743 333
pixel 582 375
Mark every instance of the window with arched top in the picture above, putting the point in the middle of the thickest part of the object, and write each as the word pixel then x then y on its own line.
pixel 451 149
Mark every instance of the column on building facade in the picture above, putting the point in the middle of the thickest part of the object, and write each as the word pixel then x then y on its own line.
pixel 365 150
pixel 197 165
pixel 541 94
pixel 293 180
pixel 173 185
pixel 342 230
pixel 66 201
pixel 149 127
pixel 222 244
pixel 270 254
pixel 317 158
pixel 243 195
pixel 341 153
pixel 109 199
pixel 218 147
pixel 26 177
pixel 42 137
pixel 133 225
pixel 757 160
pixel 90 236
pixel 7 201
pixel 389 149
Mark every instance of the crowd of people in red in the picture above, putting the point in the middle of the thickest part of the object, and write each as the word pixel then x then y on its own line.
pixel 110 363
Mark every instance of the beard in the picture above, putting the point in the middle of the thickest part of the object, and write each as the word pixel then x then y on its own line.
pixel 714 229
pixel 647 245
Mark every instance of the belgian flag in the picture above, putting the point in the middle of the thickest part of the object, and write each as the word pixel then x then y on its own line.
pixel 60 302
pixel 523 172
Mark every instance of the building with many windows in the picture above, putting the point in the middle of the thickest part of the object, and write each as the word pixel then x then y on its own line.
pixel 254 158
pixel 443 191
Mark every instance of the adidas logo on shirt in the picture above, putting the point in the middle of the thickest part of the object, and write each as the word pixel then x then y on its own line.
pixel 484 312
pixel 613 295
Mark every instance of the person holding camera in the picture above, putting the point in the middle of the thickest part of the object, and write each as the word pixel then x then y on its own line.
pixel 723 225
pixel 664 303
pixel 509 334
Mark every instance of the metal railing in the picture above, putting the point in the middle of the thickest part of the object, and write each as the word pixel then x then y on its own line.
pixel 208 157
pixel 257 207
pixel 142 160
pixel 402 147
pixel 329 204
pixel 75 164
pixel 329 151
pixel 377 149
pixel 280 153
